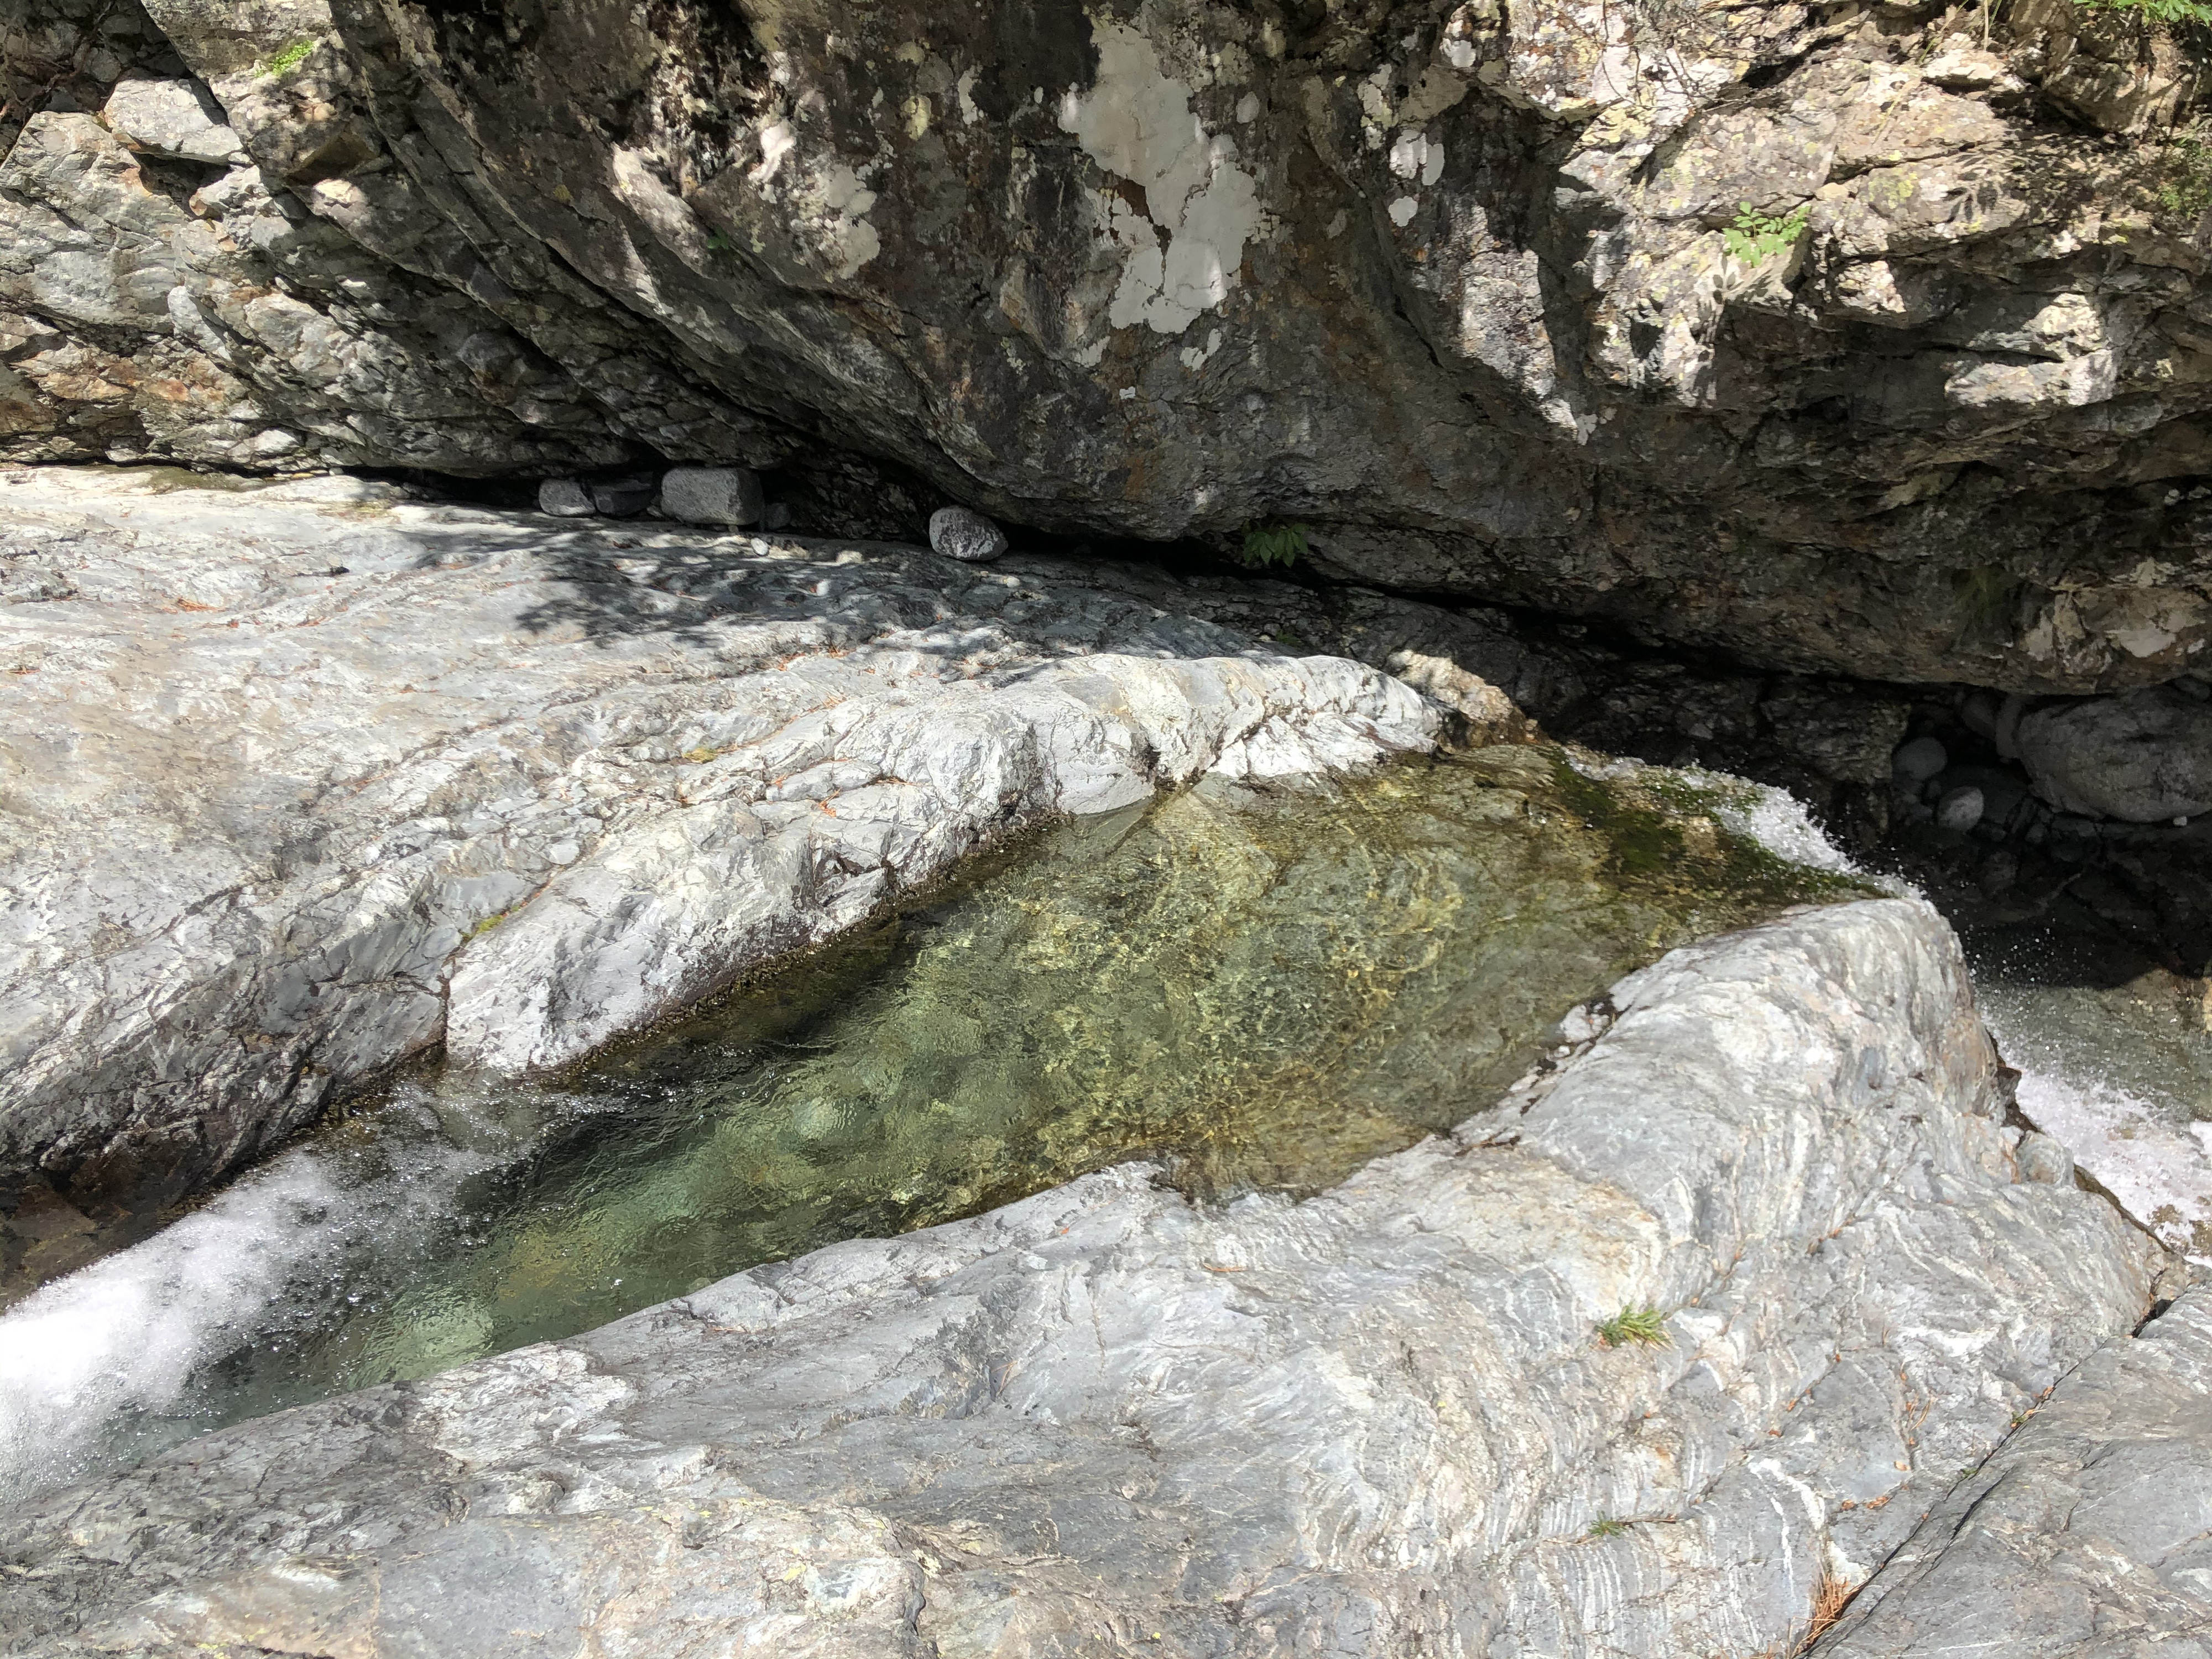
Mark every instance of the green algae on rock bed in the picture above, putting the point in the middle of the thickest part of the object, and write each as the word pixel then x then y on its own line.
pixel 1251 990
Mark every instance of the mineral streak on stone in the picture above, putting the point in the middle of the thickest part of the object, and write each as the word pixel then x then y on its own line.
pixel 305 779
pixel 1102 1416
pixel 959 534
pixel 1453 286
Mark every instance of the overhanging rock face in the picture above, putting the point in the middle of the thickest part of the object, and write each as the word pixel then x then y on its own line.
pixel 1846 344
pixel 1374 1422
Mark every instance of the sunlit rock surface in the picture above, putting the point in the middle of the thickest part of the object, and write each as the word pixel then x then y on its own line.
pixel 1467 290
pixel 301 780
pixel 1378 1420
pixel 2089 1533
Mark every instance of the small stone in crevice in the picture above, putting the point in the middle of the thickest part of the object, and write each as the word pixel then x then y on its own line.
pixel 712 495
pixel 565 498
pixel 960 532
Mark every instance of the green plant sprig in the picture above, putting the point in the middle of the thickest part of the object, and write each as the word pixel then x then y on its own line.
pixel 1754 237
pixel 1268 543
pixel 284 62
pixel 1645 1326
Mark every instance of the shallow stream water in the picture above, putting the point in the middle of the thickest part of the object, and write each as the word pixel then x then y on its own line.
pixel 1248 989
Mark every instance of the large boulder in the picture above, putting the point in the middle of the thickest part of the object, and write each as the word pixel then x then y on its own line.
pixel 1382 1421
pixel 1763 327
pixel 2144 756
pixel 176 119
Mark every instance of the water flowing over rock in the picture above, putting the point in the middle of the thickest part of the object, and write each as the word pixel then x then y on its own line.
pixel 305 779
pixel 1102 1417
pixel 1842 340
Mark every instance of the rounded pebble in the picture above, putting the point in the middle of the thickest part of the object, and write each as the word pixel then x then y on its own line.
pixel 1959 809
pixel 959 532
pixel 1917 762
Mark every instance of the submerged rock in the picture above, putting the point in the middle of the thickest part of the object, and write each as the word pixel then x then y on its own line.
pixel 960 534
pixel 1388 1410
pixel 311 778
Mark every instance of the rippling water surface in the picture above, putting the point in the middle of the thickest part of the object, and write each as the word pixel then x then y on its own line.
pixel 1248 989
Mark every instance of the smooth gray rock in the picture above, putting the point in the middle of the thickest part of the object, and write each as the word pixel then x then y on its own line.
pixel 2042 1159
pixel 712 495
pixel 172 117
pixel 565 498
pixel 624 497
pixel 1375 1422
pixel 301 780
pixel 959 532
pixel 2144 757
pixel 1959 808
pixel 1917 762
pixel 2087 1535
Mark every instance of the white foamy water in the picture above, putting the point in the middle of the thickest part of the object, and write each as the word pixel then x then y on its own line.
pixel 2123 1082
pixel 123 1337
pixel 2160 1171
pixel 121 1358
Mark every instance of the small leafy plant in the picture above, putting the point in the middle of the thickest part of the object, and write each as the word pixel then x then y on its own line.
pixel 1754 237
pixel 2168 12
pixel 1269 542
pixel 1606 1526
pixel 2187 191
pixel 284 62
pixel 1645 1326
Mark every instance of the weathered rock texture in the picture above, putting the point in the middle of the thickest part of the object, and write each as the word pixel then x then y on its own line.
pixel 1375 1422
pixel 297 781
pixel 1454 285
pixel 2088 1533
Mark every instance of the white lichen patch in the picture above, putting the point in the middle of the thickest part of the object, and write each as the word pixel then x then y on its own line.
pixel 1182 246
pixel 1415 155
pixel 830 198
